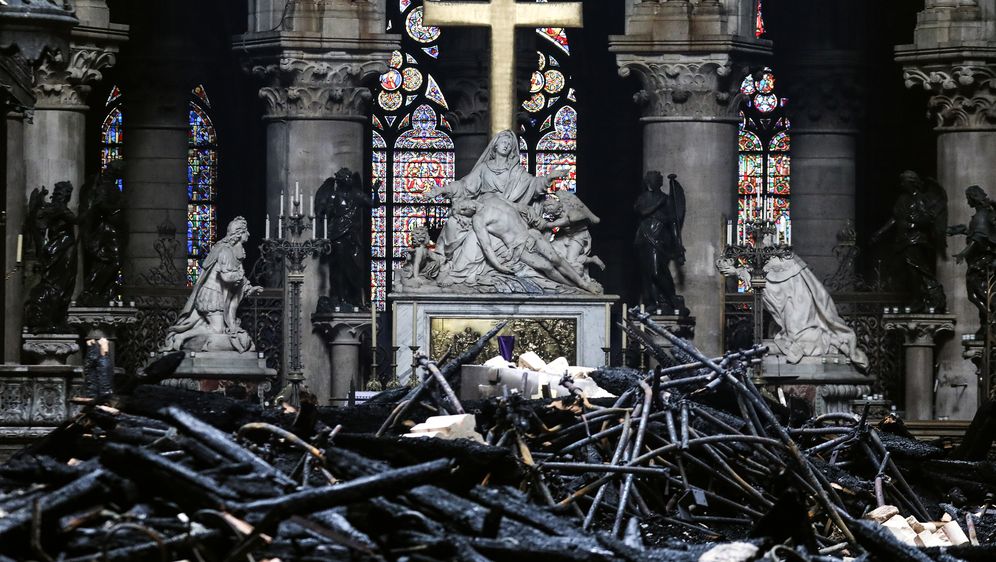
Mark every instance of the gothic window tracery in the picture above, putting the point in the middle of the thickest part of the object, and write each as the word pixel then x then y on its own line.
pixel 202 179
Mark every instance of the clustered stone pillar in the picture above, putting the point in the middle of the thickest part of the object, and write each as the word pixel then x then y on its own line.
pixel 951 58
pixel 920 332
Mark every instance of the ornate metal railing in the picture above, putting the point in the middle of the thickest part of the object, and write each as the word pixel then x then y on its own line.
pixel 261 315
pixel 862 312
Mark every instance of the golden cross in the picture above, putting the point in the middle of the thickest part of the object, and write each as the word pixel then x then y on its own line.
pixel 502 16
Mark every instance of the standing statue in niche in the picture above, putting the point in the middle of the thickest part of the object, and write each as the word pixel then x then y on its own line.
pixel 919 218
pixel 208 321
pixel 658 241
pixel 979 253
pixel 341 201
pixel 52 229
pixel 102 231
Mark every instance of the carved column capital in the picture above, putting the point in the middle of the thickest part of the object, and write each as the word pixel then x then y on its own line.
pixel 919 330
pixel 826 90
pixel 962 96
pixel 63 80
pixel 700 90
pixel 304 88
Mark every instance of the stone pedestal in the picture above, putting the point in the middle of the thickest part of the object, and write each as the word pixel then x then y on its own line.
pixel 427 321
pixel 218 371
pixel 828 383
pixel 681 326
pixel 50 349
pixel 975 351
pixel 35 399
pixel 94 323
pixel 345 333
pixel 920 332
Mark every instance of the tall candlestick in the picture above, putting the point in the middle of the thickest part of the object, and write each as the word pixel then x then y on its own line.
pixel 625 309
pixel 268 225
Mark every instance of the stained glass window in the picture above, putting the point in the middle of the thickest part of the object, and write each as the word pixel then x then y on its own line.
pixel 411 150
pixel 551 130
pixel 202 179
pixel 759 29
pixel 112 132
pixel 763 186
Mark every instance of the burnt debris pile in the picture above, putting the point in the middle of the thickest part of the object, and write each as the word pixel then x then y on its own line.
pixel 693 461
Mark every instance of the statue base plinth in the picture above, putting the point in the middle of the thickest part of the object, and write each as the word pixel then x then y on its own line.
pixel 50 349
pixel 573 325
pixel 828 384
pixel 221 371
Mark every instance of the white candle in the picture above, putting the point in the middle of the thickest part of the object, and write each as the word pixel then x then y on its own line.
pixel 314 231
pixel 325 231
pixel 729 232
pixel 373 327
pixel 414 325
pixel 394 325
pixel 20 247
pixel 280 227
pixel 608 323
pixel 312 205
pixel 281 203
pixel 267 225
pixel 297 193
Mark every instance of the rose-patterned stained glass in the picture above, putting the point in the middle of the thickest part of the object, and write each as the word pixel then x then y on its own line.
pixel 112 132
pixel 202 178
pixel 764 177
pixel 556 149
pixel 417 31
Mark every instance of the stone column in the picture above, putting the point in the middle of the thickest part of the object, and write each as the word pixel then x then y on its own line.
pixel 920 332
pixel 690 129
pixel 14 267
pixel 344 333
pixel 953 60
pixel 690 60
pixel 316 74
pixel 825 101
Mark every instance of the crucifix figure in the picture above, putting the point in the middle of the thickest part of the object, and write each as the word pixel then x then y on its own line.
pixel 502 16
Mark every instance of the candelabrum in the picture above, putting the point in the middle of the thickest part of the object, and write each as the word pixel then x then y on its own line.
pixel 291 249
pixel 753 251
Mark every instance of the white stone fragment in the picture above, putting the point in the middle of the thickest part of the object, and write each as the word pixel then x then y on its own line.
pixel 901 529
pixel 882 514
pixel 954 533
pixel 448 427
pixel 927 539
pixel 557 367
pixel 915 525
pixel 732 552
pixel 498 362
pixel 529 360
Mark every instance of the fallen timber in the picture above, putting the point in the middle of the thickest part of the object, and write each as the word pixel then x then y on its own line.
pixel 690 461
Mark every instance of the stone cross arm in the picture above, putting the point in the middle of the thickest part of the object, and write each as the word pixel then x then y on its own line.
pixel 502 16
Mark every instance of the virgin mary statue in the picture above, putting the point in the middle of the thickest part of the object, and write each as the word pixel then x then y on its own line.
pixel 499 170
